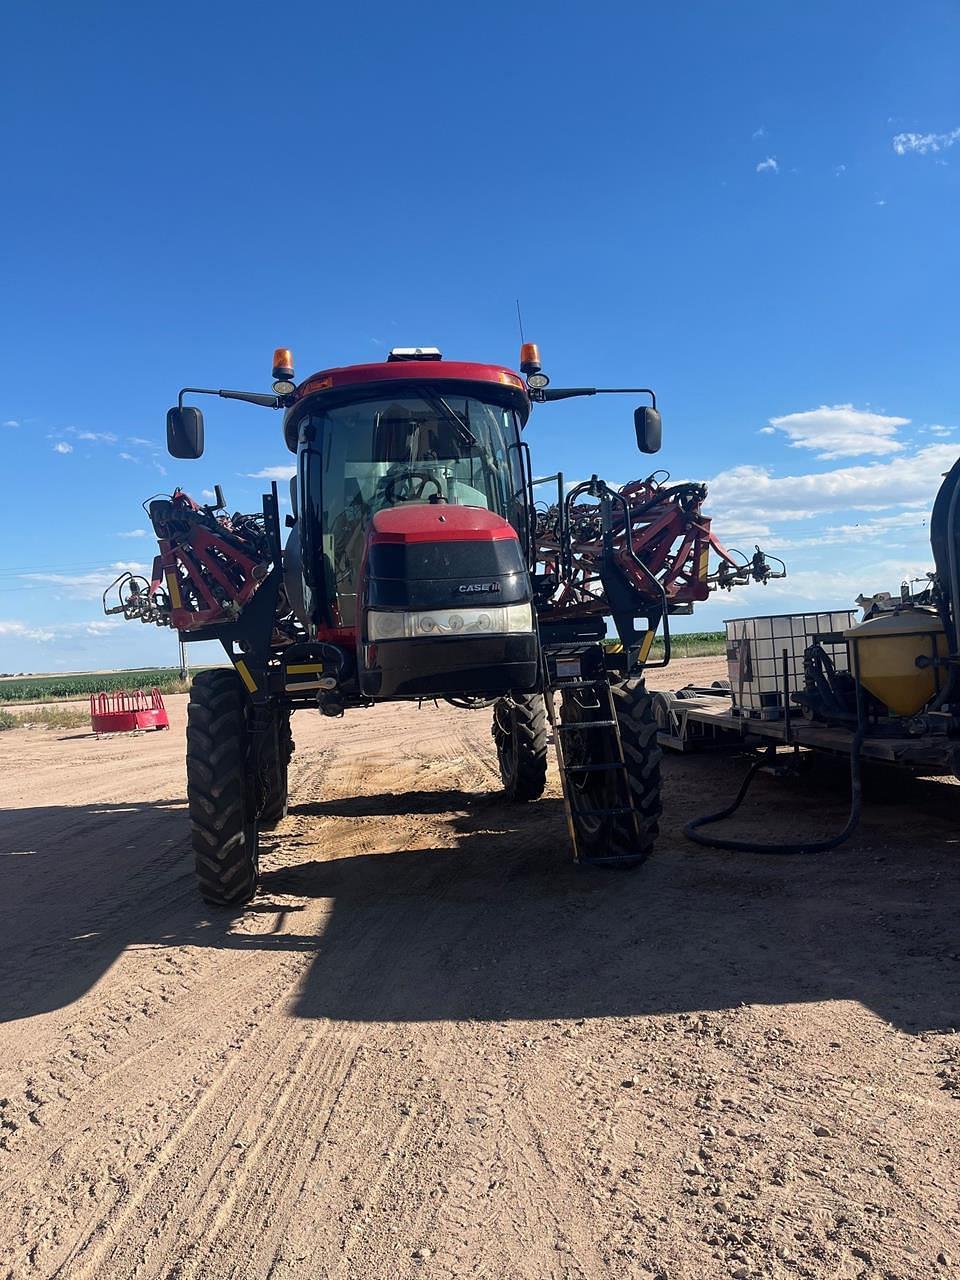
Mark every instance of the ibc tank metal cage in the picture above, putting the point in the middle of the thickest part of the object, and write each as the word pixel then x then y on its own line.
pixel 760 651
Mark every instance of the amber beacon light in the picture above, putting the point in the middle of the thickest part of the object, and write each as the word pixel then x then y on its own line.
pixel 283 383
pixel 530 366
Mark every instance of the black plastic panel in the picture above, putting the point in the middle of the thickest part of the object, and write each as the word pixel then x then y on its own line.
pixel 449 666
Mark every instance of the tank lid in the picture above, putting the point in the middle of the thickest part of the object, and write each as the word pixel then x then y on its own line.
pixel 901 622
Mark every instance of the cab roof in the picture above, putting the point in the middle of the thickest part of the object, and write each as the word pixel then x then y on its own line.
pixel 430 369
pixel 395 372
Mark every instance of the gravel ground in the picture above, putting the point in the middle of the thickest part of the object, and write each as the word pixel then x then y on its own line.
pixel 434 1048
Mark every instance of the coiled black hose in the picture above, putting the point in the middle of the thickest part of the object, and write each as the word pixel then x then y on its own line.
pixel 692 829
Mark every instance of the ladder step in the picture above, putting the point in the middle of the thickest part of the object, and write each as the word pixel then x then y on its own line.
pixel 587 724
pixel 612 860
pixel 593 768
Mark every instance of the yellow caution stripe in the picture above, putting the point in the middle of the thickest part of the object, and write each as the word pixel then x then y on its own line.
pixel 245 675
pixel 304 668
pixel 646 645
pixel 173 586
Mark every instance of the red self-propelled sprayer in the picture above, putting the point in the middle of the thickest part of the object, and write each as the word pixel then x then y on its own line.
pixel 420 564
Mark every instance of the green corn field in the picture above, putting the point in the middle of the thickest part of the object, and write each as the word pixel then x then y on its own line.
pixel 51 688
pixel 694 644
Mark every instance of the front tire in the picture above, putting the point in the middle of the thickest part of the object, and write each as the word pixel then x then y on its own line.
pixel 222 802
pixel 278 751
pixel 520 732
pixel 637 721
pixel 611 838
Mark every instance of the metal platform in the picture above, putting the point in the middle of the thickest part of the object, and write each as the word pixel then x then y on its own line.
pixel 695 719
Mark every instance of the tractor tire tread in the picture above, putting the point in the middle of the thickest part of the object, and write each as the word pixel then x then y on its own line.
pixel 223 832
pixel 642 755
pixel 273 807
pixel 524 778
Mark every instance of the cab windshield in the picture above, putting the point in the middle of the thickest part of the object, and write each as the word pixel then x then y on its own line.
pixel 415 447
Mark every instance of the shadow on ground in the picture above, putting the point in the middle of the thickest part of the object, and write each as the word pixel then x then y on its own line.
pixel 501 925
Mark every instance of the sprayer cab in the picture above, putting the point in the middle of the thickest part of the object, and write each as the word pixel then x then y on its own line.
pixel 411 435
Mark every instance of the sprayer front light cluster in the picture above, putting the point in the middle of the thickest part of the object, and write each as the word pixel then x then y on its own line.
pixel 500 620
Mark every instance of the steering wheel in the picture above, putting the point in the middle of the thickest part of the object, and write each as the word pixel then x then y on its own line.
pixel 413 489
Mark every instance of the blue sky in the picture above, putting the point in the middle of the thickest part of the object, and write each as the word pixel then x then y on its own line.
pixel 751 207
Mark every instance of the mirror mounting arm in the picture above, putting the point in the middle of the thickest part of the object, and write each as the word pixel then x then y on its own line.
pixel 564 393
pixel 251 397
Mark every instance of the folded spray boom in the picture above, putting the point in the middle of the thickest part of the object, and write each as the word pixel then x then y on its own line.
pixel 656 534
pixel 209 566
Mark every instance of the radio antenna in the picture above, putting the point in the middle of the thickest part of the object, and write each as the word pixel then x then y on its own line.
pixel 520 321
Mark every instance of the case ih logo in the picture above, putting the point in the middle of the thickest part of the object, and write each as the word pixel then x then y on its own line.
pixel 478 586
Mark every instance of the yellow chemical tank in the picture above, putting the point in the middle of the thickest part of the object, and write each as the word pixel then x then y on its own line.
pixel 887 648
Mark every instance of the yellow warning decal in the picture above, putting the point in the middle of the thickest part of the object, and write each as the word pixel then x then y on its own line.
pixel 304 668
pixel 173 586
pixel 645 646
pixel 704 562
pixel 245 675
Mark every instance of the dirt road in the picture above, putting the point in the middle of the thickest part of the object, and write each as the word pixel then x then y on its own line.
pixel 433 1048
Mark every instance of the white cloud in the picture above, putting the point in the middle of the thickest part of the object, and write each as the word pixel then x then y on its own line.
pixel 739 527
pixel 208 494
pixel 133 533
pixel 752 491
pixel 11 422
pixel 145 444
pixel 915 521
pixel 922 143
pixel 62 631
pixel 127 457
pixel 94 437
pixel 23 631
pixel 767 431
pixel 86 586
pixel 840 431
pixel 284 472
pixel 769 165
pixel 62 447
pixel 759 133
pixel 839 169
pixel 839 588
pixel 937 430
pixel 808 589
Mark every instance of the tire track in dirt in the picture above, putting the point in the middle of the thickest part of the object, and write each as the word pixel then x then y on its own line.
pixel 201 1129
pixel 382 1069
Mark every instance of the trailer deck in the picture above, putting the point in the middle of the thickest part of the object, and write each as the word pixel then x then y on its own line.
pixel 697 719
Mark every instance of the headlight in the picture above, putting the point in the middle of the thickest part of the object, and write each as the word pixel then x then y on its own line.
pixel 508 619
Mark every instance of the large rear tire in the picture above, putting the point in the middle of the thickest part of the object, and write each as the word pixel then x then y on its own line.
pixel 219 790
pixel 278 751
pixel 520 732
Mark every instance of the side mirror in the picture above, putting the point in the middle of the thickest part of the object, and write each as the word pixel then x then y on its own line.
pixel 649 429
pixel 185 432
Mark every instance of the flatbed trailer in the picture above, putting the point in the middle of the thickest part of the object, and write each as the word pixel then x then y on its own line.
pixel 699 719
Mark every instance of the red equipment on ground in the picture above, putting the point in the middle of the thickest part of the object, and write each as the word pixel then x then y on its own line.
pixel 124 712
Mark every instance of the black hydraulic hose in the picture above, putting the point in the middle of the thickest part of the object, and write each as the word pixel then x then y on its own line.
pixel 692 829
